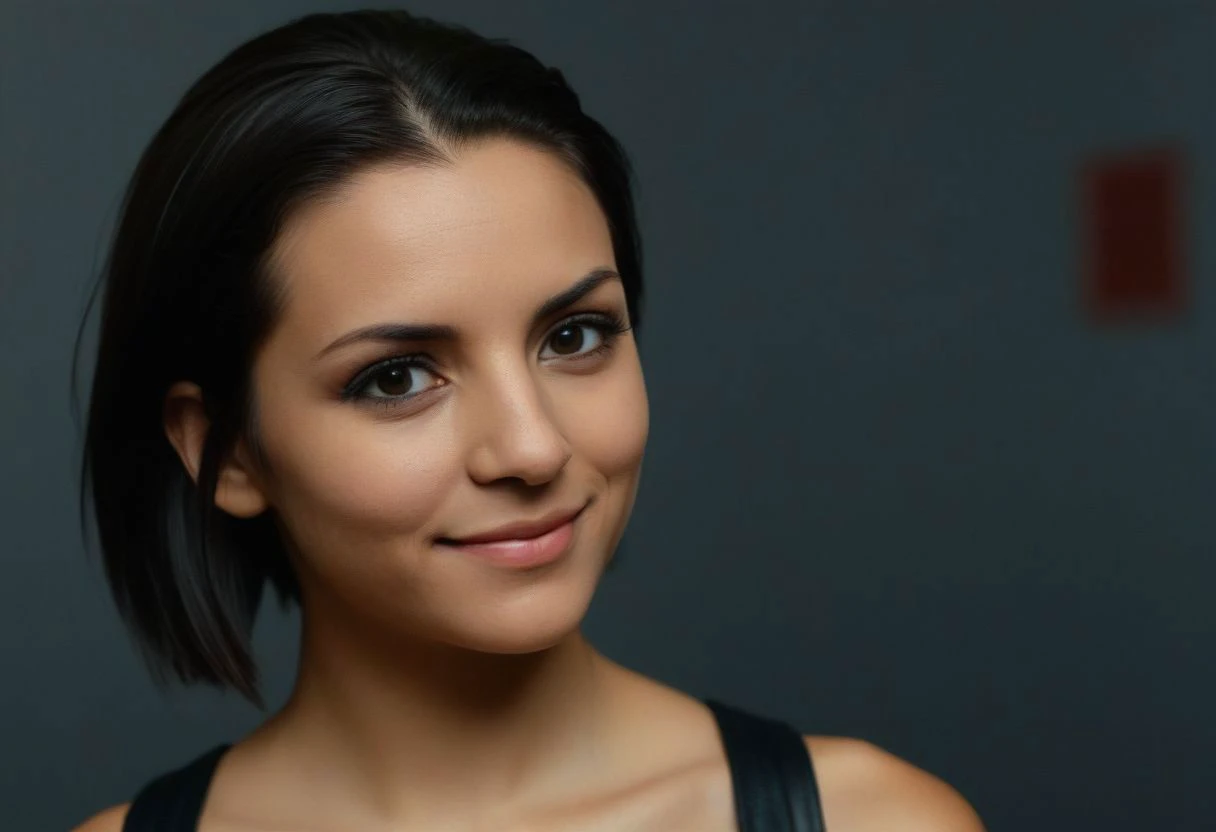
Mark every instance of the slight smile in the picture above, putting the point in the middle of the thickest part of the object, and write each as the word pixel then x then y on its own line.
pixel 523 544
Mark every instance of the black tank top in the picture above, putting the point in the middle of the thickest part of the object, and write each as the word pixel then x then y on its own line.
pixel 771 775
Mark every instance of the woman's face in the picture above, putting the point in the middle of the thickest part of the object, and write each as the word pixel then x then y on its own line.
pixel 450 362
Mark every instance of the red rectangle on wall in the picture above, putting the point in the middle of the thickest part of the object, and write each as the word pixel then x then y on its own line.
pixel 1133 217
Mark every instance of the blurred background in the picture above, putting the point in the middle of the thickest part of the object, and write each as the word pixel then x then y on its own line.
pixel 931 464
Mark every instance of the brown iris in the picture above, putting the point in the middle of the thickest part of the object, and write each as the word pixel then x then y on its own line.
pixel 567 340
pixel 395 381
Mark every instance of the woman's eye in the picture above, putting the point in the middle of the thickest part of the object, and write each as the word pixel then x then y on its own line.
pixel 573 339
pixel 397 381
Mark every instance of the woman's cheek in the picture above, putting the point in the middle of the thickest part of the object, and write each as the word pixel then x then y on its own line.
pixel 609 428
pixel 366 474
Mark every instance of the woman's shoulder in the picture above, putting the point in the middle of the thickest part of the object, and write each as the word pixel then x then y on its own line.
pixel 866 789
pixel 170 791
pixel 111 820
pixel 862 788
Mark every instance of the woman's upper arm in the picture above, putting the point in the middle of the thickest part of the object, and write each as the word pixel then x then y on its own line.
pixel 111 820
pixel 866 789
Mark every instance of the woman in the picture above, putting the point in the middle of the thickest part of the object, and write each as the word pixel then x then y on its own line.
pixel 368 336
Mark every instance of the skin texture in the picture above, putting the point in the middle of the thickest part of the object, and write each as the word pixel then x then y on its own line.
pixel 438 690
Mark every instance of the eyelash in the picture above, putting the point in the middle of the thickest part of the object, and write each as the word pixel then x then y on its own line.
pixel 609 325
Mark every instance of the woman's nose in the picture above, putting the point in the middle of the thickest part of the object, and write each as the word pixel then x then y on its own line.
pixel 516 436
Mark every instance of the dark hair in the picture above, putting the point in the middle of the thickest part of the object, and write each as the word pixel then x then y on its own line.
pixel 188 294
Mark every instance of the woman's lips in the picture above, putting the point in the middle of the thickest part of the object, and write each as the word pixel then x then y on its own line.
pixel 525 544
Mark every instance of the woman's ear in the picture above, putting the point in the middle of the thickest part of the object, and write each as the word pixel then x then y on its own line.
pixel 238 491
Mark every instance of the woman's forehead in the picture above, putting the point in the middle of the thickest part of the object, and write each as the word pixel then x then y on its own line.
pixel 504 223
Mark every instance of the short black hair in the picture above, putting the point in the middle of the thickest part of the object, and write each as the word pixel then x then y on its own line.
pixel 186 291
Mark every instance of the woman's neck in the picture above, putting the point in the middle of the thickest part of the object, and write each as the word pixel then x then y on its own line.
pixel 429 732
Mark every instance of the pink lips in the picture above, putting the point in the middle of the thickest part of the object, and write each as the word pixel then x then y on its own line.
pixel 521 545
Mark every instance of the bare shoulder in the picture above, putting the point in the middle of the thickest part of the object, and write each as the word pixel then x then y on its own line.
pixel 111 820
pixel 866 789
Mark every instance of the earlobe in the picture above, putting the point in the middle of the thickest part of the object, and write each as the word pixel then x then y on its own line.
pixel 238 491
pixel 186 425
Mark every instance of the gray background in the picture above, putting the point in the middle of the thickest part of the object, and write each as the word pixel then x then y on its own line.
pixel 898 487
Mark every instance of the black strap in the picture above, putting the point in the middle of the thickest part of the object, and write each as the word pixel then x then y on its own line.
pixel 173 802
pixel 771 773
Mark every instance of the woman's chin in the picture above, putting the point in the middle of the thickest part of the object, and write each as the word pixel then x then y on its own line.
pixel 522 628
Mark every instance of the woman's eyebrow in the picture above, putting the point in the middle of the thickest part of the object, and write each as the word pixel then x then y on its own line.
pixel 568 297
pixel 414 333
pixel 392 332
